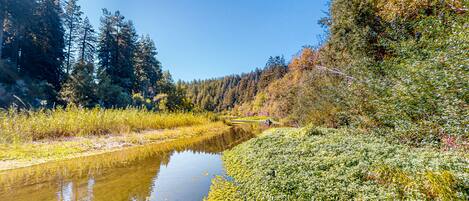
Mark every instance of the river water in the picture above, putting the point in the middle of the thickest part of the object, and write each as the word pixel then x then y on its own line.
pixel 177 170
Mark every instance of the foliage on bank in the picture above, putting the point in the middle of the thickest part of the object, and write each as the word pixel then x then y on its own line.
pixel 24 126
pixel 330 164
pixel 394 68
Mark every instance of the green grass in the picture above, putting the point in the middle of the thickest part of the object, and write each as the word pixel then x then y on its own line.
pixel 252 118
pixel 329 164
pixel 59 149
pixel 26 126
pixel 96 164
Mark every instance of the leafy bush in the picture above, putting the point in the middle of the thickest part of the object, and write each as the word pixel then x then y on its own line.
pixel 424 99
pixel 330 164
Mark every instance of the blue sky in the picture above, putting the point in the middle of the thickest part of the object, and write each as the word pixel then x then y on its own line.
pixel 199 39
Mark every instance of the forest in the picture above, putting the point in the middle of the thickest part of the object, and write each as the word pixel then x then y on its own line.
pixel 52 56
pixel 378 110
pixel 397 67
pixel 224 94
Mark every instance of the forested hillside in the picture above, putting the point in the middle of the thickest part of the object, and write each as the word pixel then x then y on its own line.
pixel 382 106
pixel 399 68
pixel 229 92
pixel 51 55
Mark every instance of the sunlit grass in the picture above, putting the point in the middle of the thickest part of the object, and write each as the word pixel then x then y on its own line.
pixel 24 126
pixel 221 189
pixel 205 138
pixel 26 154
pixel 429 184
pixel 252 118
pixel 340 164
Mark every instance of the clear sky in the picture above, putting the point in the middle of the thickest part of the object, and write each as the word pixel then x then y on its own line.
pixel 198 39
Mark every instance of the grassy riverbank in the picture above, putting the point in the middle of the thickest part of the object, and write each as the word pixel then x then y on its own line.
pixel 331 164
pixel 26 154
pixel 213 139
pixel 33 137
pixel 27 126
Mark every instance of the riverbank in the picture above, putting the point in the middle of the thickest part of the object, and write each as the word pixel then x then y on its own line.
pixel 134 172
pixel 26 154
pixel 331 164
pixel 24 126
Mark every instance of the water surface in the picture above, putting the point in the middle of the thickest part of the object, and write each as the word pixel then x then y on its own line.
pixel 178 170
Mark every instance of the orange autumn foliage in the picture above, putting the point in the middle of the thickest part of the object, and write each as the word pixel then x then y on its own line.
pixel 409 9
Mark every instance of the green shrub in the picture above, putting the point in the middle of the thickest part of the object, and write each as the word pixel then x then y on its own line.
pixel 330 164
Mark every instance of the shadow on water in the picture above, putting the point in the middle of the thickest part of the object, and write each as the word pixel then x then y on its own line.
pixel 176 170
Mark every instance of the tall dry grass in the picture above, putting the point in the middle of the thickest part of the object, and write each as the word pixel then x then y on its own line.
pixel 24 126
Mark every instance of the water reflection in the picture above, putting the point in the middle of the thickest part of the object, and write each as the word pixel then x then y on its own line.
pixel 178 170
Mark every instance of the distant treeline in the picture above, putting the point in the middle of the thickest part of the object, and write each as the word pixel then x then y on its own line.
pixel 52 55
pixel 222 94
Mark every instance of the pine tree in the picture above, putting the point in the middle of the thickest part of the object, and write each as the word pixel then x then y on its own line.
pixel 43 59
pixel 3 13
pixel 72 22
pixel 166 83
pixel 17 26
pixel 105 43
pixel 126 45
pixel 86 42
pixel 111 95
pixel 147 68
pixel 275 69
pixel 116 50
pixel 80 88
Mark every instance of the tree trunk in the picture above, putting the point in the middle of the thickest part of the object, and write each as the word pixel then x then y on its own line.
pixel 69 50
pixel 2 23
pixel 82 59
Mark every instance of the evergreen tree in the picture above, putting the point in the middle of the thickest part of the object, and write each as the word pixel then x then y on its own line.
pixel 72 22
pixel 126 45
pixel 111 95
pixel 86 42
pixel 80 88
pixel 17 24
pixel 105 47
pixel 116 50
pixel 147 68
pixel 3 17
pixel 223 93
pixel 166 83
pixel 275 69
pixel 42 54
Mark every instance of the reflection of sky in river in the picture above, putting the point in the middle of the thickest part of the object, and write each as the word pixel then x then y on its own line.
pixel 187 176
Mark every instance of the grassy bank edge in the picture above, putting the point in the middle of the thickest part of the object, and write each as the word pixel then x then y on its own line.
pixel 256 170
pixel 28 154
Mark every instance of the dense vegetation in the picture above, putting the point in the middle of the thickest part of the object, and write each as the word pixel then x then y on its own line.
pixel 30 153
pixel 227 93
pixel 385 96
pixel 50 55
pixel 331 164
pixel 386 100
pixel 396 68
pixel 25 126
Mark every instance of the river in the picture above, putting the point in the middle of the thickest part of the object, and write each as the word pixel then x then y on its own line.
pixel 177 170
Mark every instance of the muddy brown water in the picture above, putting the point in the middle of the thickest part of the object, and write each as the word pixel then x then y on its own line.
pixel 177 170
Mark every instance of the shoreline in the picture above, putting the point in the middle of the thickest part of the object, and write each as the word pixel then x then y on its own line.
pixel 46 151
